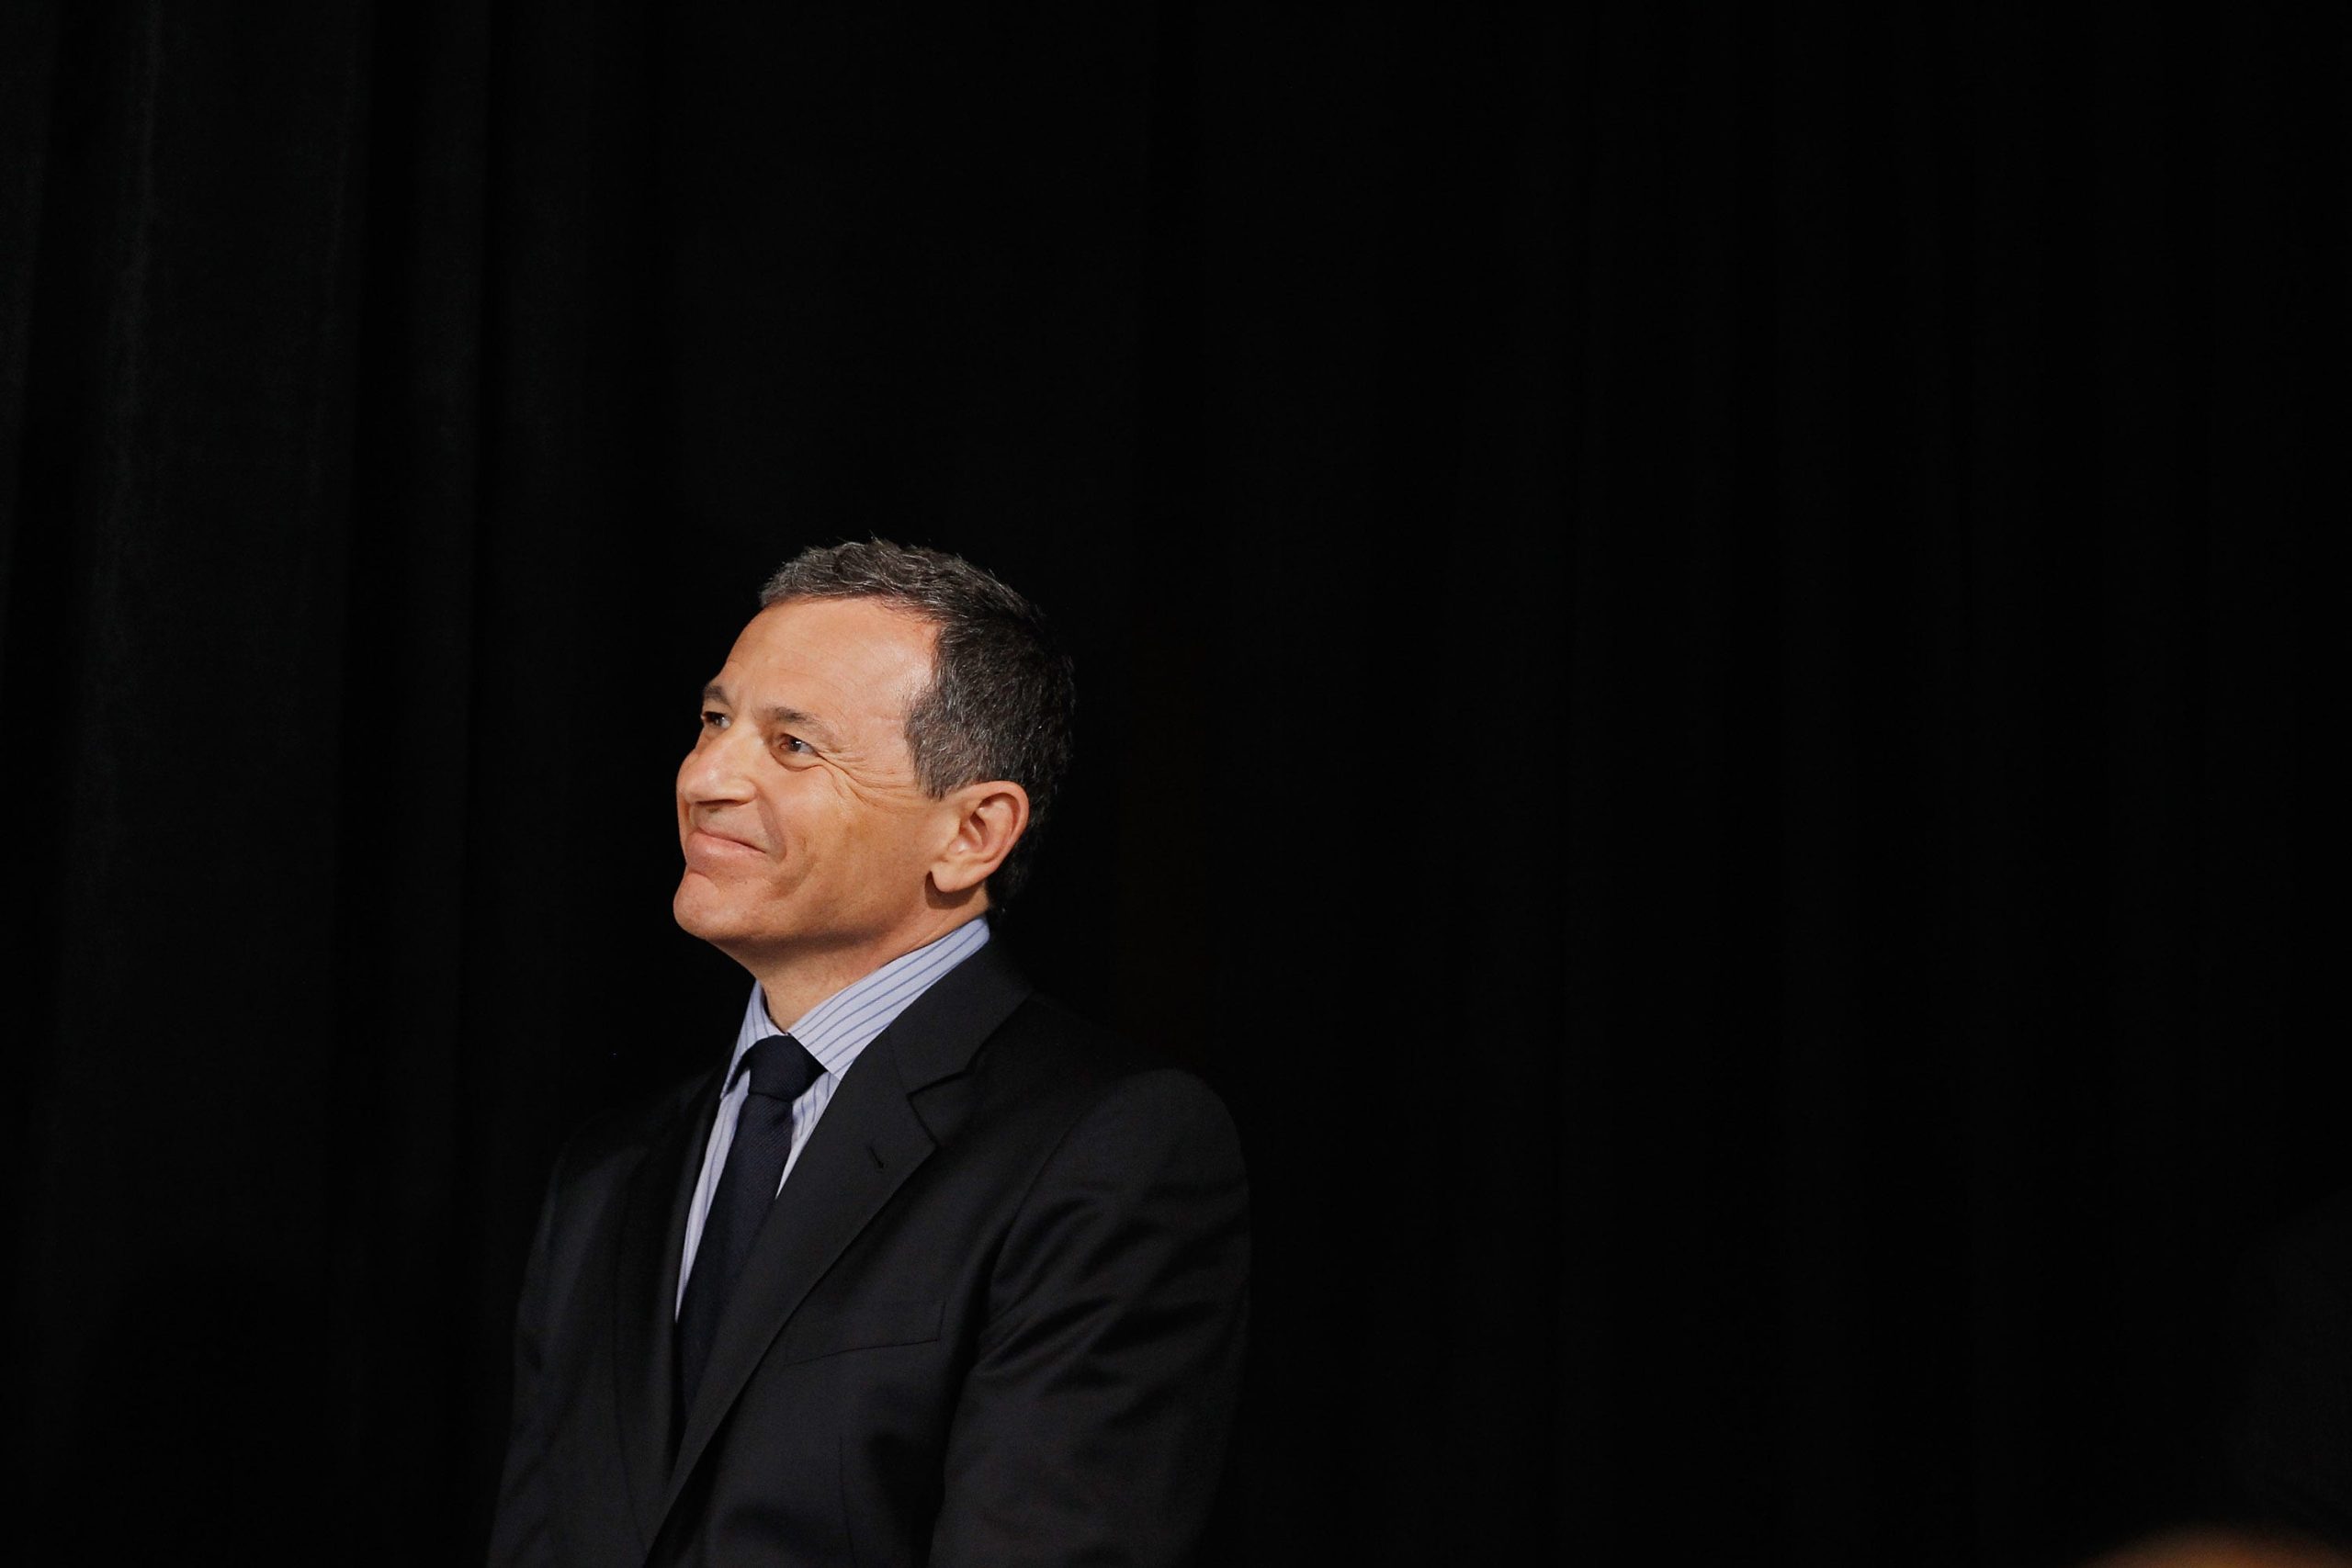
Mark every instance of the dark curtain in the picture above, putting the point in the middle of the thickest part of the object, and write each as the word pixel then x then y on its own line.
pixel 1702 635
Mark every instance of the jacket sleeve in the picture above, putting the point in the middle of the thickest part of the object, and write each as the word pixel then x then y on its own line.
pixel 520 1535
pixel 1092 1426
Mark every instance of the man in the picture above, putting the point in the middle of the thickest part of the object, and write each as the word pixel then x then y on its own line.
pixel 927 1270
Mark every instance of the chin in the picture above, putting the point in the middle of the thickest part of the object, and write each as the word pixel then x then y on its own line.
pixel 699 910
pixel 706 911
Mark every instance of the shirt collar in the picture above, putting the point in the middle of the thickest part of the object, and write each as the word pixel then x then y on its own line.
pixel 846 1023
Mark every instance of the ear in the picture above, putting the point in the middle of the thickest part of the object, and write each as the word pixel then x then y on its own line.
pixel 990 818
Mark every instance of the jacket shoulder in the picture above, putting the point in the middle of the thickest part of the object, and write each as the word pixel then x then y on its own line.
pixel 1047 1069
pixel 1045 1046
pixel 609 1143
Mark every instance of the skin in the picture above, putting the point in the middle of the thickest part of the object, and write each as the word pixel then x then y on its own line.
pixel 813 856
pixel 2220 1548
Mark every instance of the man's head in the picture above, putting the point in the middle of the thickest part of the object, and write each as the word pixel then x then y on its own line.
pixel 874 757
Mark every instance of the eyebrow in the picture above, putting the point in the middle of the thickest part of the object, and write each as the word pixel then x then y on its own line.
pixel 779 713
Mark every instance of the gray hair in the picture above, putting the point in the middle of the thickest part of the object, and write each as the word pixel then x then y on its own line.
pixel 1002 690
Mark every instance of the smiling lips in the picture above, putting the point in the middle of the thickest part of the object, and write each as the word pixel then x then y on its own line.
pixel 705 848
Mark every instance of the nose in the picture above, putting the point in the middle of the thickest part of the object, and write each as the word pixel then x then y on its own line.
pixel 717 771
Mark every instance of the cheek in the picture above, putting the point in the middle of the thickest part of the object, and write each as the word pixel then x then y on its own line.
pixel 857 836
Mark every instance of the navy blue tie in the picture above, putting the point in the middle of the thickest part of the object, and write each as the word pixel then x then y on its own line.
pixel 781 1071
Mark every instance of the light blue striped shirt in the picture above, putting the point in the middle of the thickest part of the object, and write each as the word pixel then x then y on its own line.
pixel 834 1032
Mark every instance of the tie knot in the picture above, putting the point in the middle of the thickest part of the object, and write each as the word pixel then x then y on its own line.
pixel 780 1068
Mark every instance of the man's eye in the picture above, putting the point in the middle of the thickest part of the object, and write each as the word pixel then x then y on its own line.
pixel 797 747
pixel 712 719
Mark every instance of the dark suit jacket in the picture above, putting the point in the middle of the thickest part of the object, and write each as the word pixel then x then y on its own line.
pixel 994 1319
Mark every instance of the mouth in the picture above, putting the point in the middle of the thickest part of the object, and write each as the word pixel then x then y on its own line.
pixel 705 845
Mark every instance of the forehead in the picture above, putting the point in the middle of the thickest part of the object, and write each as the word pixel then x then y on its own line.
pixel 846 659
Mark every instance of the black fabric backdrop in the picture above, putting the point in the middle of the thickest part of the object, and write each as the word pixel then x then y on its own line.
pixel 1699 631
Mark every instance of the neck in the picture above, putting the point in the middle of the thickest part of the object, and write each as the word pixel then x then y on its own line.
pixel 794 982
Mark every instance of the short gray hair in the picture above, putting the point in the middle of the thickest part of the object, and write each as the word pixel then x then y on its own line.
pixel 1002 690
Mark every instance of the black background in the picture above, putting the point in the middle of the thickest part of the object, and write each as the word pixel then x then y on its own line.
pixel 1700 632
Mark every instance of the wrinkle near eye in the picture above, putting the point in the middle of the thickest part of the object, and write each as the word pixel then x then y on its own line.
pixel 890 792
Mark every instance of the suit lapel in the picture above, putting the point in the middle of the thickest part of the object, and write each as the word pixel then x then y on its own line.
pixel 652 1234
pixel 869 1141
